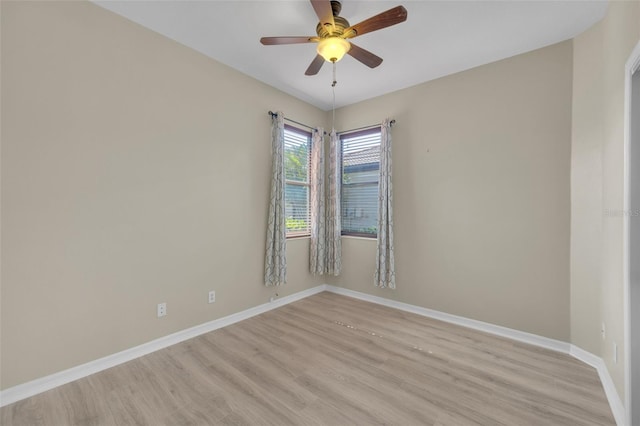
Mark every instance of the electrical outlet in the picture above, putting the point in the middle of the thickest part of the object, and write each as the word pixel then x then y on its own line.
pixel 603 332
pixel 212 296
pixel 162 309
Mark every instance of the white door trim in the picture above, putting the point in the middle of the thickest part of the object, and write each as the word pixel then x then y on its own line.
pixel 633 63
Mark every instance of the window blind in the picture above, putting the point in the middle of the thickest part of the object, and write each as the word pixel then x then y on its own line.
pixel 297 156
pixel 360 168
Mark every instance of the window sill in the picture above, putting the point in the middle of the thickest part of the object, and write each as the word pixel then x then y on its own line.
pixel 358 237
pixel 298 237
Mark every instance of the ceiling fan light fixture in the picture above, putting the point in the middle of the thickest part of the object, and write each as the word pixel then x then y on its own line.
pixel 333 49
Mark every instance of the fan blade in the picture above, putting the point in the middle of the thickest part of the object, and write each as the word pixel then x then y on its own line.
pixel 315 66
pixel 364 56
pixel 382 20
pixel 285 40
pixel 324 11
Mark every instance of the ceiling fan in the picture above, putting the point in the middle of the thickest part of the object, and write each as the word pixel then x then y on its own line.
pixel 334 32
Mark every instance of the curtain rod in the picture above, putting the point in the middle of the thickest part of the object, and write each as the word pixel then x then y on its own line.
pixel 391 123
pixel 275 114
pixel 371 126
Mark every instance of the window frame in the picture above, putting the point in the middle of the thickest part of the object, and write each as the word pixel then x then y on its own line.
pixel 307 184
pixel 354 134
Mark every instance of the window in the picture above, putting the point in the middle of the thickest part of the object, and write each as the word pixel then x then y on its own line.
pixel 360 165
pixel 297 154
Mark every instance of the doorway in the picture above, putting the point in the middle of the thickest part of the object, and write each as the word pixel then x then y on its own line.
pixel 632 238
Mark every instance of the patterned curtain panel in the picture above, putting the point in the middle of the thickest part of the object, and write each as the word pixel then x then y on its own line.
pixel 275 263
pixel 385 275
pixel 334 225
pixel 317 247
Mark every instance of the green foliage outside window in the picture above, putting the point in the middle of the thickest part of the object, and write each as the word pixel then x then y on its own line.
pixel 294 224
pixel 296 168
pixel 295 162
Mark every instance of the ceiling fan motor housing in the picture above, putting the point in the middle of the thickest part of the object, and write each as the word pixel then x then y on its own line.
pixel 337 30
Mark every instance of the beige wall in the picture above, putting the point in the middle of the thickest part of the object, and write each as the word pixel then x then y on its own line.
pixel 481 200
pixel 134 171
pixel 586 191
pixel 130 177
pixel 600 55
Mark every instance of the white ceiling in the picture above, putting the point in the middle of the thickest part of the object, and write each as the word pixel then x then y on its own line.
pixel 438 38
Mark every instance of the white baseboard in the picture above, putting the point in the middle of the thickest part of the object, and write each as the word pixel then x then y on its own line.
pixel 617 407
pixel 556 345
pixel 34 387
pixel 521 336
pixel 25 390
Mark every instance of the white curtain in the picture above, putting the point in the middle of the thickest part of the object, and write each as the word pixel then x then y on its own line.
pixel 275 264
pixel 334 225
pixel 385 275
pixel 317 247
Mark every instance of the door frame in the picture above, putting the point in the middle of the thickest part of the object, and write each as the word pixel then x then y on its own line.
pixel 632 65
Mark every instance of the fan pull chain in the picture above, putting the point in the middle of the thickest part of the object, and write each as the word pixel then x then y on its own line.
pixel 333 118
pixel 333 89
pixel 334 74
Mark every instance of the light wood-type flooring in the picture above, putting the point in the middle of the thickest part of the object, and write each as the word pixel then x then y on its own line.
pixel 331 360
